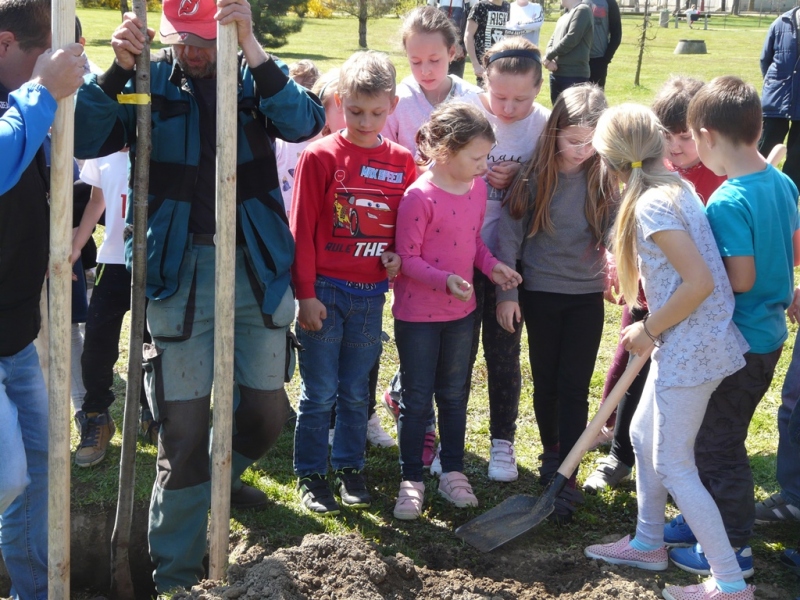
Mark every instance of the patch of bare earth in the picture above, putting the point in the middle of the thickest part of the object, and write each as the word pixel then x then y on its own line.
pixel 326 567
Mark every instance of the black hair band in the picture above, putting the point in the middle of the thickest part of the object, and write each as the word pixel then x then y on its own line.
pixel 516 54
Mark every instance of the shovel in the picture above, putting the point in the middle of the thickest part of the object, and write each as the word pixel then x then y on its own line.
pixel 517 514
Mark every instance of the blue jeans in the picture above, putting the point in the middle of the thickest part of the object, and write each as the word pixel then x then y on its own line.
pixel 334 368
pixel 179 372
pixel 434 363
pixel 23 475
pixel 788 471
pixel 558 84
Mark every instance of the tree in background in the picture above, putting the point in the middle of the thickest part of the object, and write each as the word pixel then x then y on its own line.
pixel 271 24
pixel 363 10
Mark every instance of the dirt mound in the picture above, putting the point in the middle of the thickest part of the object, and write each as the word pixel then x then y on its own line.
pixel 325 567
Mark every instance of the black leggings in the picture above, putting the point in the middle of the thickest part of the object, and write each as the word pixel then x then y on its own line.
pixel 564 333
pixel 501 350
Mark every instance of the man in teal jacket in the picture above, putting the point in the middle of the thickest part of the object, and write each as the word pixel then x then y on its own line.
pixel 180 254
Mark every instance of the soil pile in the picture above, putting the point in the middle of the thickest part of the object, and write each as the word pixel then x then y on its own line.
pixel 325 567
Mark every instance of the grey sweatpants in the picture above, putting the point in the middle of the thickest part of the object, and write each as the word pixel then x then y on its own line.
pixel 663 433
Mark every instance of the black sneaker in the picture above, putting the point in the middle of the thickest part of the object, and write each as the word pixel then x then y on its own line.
pixel 248 498
pixel 316 495
pixel 350 485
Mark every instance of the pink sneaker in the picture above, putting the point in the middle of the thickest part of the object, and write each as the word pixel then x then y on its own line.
pixel 455 488
pixel 707 591
pixel 391 402
pixel 429 449
pixel 621 553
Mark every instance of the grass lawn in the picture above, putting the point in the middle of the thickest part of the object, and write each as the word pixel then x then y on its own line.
pixel 734 46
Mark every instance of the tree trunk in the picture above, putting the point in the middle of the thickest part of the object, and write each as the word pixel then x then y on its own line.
pixel 123 7
pixel 642 42
pixel 362 23
pixel 735 7
pixel 751 6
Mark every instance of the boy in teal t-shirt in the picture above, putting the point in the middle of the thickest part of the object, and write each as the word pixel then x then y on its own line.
pixel 754 218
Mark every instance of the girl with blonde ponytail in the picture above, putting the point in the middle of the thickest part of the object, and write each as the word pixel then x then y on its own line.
pixel 662 235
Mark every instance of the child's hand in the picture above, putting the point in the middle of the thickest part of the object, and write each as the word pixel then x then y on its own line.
pixel 459 287
pixel 635 340
pixel 611 292
pixel 793 312
pixel 506 277
pixel 311 314
pixel 392 263
pixel 508 315
pixel 502 174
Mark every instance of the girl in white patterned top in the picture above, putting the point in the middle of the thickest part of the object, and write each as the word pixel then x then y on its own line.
pixel 662 229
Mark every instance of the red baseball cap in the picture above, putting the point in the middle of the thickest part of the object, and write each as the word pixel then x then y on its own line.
pixel 189 22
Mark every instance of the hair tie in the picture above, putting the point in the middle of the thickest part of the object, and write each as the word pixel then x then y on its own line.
pixel 516 54
pixel 636 164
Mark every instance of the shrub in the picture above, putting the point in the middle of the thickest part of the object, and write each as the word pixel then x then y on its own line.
pixel 319 9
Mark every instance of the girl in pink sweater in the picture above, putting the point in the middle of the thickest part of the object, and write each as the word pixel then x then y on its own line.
pixel 439 239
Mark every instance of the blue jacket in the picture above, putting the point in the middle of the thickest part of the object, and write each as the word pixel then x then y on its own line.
pixel 270 105
pixel 780 97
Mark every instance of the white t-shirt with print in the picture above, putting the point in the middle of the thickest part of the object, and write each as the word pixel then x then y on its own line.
pixel 286 156
pixel 706 345
pixel 525 21
pixel 515 142
pixel 110 174
pixel 413 109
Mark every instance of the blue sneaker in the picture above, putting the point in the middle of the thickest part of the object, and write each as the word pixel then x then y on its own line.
pixel 791 558
pixel 694 560
pixel 677 533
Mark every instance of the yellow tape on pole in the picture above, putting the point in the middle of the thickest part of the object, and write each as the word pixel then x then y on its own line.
pixel 140 99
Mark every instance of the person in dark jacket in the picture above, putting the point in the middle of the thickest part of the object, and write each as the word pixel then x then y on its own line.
pixel 181 255
pixel 780 96
pixel 606 38
pixel 32 79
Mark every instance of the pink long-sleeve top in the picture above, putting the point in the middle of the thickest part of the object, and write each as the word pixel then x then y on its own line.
pixel 438 234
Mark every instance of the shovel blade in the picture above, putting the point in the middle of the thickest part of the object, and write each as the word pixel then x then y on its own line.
pixel 509 519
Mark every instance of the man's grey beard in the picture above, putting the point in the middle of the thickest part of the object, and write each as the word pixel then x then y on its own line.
pixel 206 72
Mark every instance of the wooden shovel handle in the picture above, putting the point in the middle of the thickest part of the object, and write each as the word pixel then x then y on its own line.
pixel 584 443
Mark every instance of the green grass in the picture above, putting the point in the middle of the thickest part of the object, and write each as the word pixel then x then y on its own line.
pixel 734 45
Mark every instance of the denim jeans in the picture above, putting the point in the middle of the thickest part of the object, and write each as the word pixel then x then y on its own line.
pixel 558 84
pixel 788 454
pixel 334 368
pixel 23 476
pixel 434 363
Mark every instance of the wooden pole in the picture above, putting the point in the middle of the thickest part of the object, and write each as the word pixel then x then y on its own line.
pixel 225 269
pixel 61 182
pixel 121 580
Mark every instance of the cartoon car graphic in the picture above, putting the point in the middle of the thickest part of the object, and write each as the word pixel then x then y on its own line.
pixel 362 212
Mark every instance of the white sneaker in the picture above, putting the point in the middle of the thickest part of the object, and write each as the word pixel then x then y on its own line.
pixel 502 461
pixel 376 435
pixel 436 465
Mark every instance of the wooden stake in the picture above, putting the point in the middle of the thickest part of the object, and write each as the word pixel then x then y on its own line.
pixel 225 269
pixel 61 182
pixel 121 580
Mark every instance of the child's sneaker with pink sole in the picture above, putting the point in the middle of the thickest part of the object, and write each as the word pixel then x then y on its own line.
pixel 707 591
pixel 622 553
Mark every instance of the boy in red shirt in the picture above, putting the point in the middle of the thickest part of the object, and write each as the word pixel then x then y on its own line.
pixel 347 188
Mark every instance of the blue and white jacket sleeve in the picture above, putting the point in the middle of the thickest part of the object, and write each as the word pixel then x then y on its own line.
pixel 23 127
